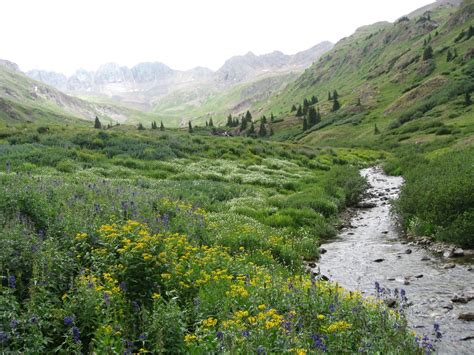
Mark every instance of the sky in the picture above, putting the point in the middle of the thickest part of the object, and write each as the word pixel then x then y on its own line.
pixel 64 36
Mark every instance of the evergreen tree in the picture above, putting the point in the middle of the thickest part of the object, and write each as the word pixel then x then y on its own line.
pixel 230 121
pixel 162 127
pixel 211 124
pixel 329 96
pixel 467 99
pixel 305 124
pixel 335 95
pixel 314 100
pixel 109 126
pixel 358 102
pixel 262 132
pixel 248 116
pixel 470 32
pixel 153 125
pixel 312 116
pixel 428 53
pixel 264 119
pixel 97 123
pixel 207 124
pixel 271 131
pixel 455 53
pixel 272 118
pixel 236 122
pixel 243 124
pixel 336 105
pixel 293 108
pixel 251 129
pixel 190 127
pixel 140 127
pixel 299 113
pixel 318 117
pixel 376 129
pixel 449 56
pixel 305 106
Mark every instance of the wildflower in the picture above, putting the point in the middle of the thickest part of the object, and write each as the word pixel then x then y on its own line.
pixel 437 332
pixel 209 322
pixel 68 321
pixel 338 327
pixel 220 335
pixel 12 281
pixel 166 276
pixel 76 334
pixel 261 350
pixel 189 338
pixel 13 323
pixel 318 343
pixel 146 256
pixel 3 337
pixel 321 316
pixel 156 296
pixel 262 307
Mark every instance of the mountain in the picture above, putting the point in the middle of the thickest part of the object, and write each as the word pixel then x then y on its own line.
pixel 179 96
pixel 23 99
pixel 405 81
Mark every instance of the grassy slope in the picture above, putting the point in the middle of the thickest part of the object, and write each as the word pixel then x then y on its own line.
pixel 373 65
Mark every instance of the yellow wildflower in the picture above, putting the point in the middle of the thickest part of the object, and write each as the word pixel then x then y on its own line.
pixel 189 338
pixel 209 322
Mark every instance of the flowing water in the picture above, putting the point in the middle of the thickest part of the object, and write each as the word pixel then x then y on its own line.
pixel 373 234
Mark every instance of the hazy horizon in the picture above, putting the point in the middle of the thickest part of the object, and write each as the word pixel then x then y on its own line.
pixel 66 36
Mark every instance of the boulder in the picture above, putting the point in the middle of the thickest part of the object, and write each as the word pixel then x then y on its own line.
pixel 468 316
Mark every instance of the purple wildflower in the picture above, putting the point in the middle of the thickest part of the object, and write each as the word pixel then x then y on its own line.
pixel 76 334
pixel 3 337
pixel 68 321
pixel 261 350
pixel 12 281
pixel 13 323
pixel 437 331
pixel 220 335
pixel 318 343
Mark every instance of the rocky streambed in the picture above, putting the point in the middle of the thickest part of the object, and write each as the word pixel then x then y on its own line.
pixel 370 254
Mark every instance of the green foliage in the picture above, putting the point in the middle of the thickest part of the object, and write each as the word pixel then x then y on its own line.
pixel 97 123
pixel 438 196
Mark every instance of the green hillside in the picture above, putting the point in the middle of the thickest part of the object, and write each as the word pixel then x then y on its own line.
pixel 382 79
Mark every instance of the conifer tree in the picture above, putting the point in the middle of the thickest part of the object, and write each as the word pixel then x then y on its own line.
pixel 312 116
pixel 271 131
pixel 272 118
pixel 299 113
pixel 264 119
pixel 190 127
pixel 162 127
pixel 211 124
pixel 230 121
pixel 428 53
pixel 248 116
pixel 140 127
pixel 262 132
pixel 97 123
pixel 335 95
pixel 243 124
pixel 293 108
pixel 376 129
pixel 251 129
pixel 467 99
pixel 305 124
pixel 314 100
pixel 336 105
pixel 329 96
pixel 449 56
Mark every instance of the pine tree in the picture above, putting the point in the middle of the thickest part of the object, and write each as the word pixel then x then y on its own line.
pixel 97 123
pixel 305 106
pixel 211 124
pixel 467 99
pixel 248 116
pixel 376 129
pixel 470 32
pixel 312 116
pixel 272 118
pixel 318 117
pixel 162 127
pixel 336 105
pixel 305 124
pixel 299 113
pixel 335 95
pixel 251 129
pixel 293 108
pixel 190 127
pixel 314 100
pixel 243 124
pixel 428 53
pixel 449 56
pixel 262 132
pixel 329 96
pixel 140 127
pixel 264 119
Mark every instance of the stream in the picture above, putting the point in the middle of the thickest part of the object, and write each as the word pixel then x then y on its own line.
pixel 371 248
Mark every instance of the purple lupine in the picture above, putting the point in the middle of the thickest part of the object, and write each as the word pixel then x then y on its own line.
pixel 12 281
pixel 13 324
pixel 3 337
pixel 220 335
pixel 437 330
pixel 76 335
pixel 68 321
pixel 318 343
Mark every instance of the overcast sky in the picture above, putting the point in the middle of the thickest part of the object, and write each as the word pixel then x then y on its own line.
pixel 67 35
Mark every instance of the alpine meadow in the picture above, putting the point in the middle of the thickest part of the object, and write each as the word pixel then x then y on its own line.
pixel 304 203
